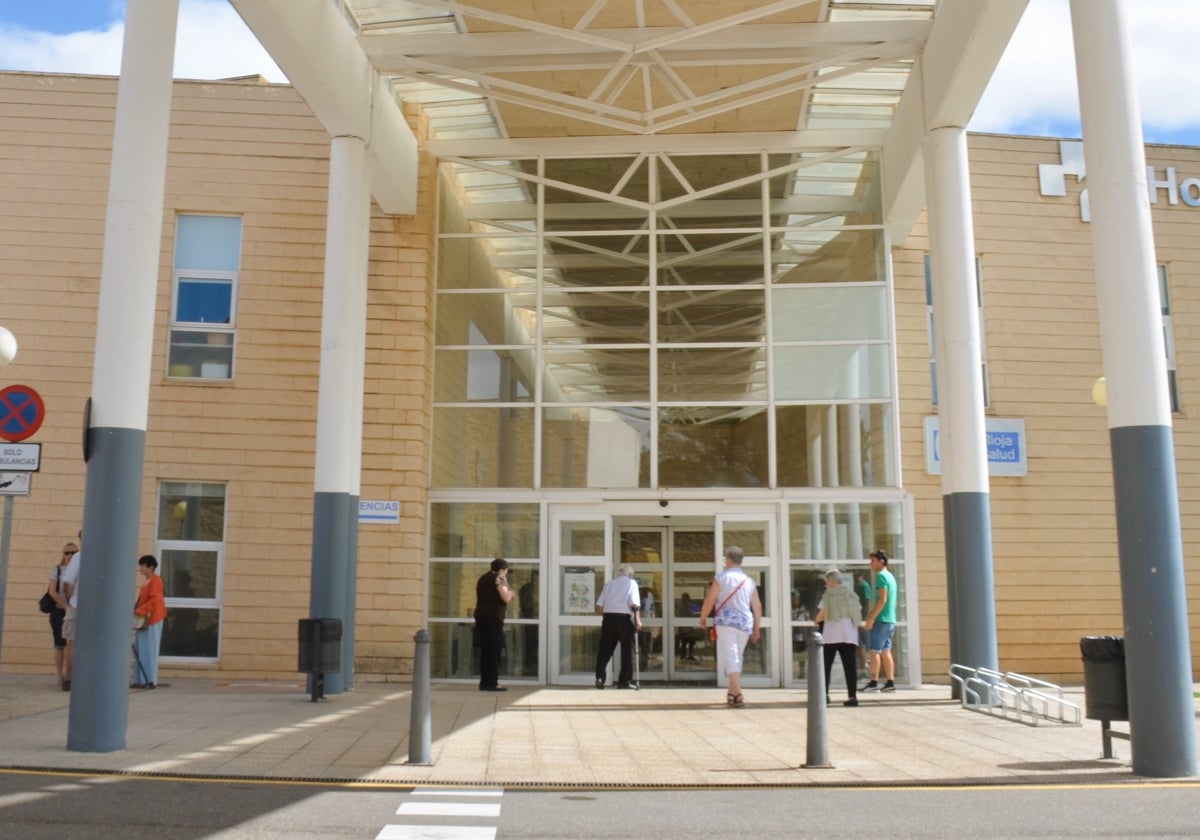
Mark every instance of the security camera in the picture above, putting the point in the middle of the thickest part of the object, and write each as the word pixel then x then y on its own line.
pixel 663 503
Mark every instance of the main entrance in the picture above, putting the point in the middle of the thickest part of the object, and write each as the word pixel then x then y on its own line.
pixel 674 558
pixel 674 566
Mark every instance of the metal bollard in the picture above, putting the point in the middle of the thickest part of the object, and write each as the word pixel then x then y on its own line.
pixel 818 732
pixel 420 726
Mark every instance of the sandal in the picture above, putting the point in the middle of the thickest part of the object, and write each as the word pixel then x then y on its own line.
pixel 737 701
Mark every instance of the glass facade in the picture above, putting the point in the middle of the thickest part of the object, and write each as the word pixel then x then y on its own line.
pixel 647 324
pixel 664 321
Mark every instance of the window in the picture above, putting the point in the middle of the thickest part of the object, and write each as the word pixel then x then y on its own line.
pixel 204 297
pixel 933 383
pixel 191 552
pixel 1168 337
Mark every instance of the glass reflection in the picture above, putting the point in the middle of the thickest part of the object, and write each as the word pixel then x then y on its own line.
pixel 835 446
pixel 595 447
pixel 712 447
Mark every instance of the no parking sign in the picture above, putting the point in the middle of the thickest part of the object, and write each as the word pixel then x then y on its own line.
pixel 21 412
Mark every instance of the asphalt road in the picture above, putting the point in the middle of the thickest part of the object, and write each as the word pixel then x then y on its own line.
pixel 57 805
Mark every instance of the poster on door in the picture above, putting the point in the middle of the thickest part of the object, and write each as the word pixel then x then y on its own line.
pixel 579 591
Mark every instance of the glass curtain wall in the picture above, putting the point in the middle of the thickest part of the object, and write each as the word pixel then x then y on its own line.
pixel 663 321
pixel 660 321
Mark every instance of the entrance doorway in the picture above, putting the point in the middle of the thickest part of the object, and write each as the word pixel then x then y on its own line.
pixel 674 566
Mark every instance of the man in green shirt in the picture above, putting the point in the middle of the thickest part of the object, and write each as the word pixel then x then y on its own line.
pixel 881 624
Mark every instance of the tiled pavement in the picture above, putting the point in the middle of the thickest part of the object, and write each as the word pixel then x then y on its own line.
pixel 561 737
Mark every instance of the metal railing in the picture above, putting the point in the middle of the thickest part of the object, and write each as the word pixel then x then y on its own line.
pixel 1014 697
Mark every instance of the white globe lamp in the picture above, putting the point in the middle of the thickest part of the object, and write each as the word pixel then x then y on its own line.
pixel 1100 392
pixel 8 347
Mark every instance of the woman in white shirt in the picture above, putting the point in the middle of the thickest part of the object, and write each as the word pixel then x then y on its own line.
pixel 732 602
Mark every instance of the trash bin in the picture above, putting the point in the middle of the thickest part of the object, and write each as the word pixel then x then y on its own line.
pixel 320 645
pixel 1104 677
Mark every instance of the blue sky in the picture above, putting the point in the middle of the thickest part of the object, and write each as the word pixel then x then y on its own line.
pixel 1032 92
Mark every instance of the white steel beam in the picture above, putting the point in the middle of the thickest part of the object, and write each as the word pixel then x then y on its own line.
pixel 316 49
pixel 964 47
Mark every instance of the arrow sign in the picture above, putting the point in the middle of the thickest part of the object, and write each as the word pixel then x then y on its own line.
pixel 21 412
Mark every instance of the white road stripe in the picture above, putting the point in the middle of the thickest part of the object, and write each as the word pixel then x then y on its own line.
pixel 436 832
pixel 449 809
pixel 456 792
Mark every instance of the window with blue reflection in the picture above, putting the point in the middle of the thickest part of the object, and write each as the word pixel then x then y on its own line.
pixel 203 301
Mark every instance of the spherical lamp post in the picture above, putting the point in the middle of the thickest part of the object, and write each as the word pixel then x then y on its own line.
pixel 8 347
pixel 1100 392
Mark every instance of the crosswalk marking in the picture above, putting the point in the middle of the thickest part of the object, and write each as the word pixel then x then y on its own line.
pixel 456 792
pixel 437 832
pixel 449 809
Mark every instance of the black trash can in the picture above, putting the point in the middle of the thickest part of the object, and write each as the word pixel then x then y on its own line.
pixel 1104 677
pixel 320 645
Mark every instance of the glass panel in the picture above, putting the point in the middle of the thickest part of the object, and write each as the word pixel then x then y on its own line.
pixel 595 447
pixel 694 547
pixel 845 531
pixel 203 301
pixel 691 258
pixel 838 372
pixel 814 255
pixel 862 452
pixel 191 632
pixel 577 650
pixel 482 529
pixel 479 375
pixel 644 547
pixel 829 313
pixel 712 447
pixel 208 243
pixel 616 317
pixel 695 316
pixel 189 574
pixel 581 539
pixel 202 355
pixel 499 262
pixel 482 447
pixel 191 511
pixel 751 537
pixel 596 375
pixel 806 196
pixel 598 261
pixel 703 374
pixel 688 173
pixel 453 654
pixel 695 652
pixel 484 318
pixel 452 589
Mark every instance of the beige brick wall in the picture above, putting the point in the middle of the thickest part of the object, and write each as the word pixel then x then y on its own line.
pixel 1053 531
pixel 257 152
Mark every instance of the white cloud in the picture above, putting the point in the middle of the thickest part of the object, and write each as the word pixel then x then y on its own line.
pixel 211 42
pixel 1034 89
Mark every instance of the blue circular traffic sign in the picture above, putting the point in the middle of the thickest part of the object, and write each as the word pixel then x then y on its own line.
pixel 21 412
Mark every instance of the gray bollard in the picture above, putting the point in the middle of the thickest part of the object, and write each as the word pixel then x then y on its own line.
pixel 420 726
pixel 818 731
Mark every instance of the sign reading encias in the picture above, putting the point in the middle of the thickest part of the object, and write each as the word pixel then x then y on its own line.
pixel 379 511
pixel 1005 447
pixel 1052 178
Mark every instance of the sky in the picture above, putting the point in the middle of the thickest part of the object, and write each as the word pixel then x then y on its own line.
pixel 1032 92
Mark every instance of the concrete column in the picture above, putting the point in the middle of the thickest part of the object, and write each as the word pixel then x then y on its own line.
pixel 120 397
pixel 339 402
pixel 962 434
pixel 1150 547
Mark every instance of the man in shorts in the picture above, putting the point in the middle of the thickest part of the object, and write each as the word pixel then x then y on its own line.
pixel 881 624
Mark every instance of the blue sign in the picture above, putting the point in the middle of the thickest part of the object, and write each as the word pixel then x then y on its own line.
pixel 1005 447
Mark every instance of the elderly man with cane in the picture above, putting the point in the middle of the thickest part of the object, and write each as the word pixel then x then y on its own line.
pixel 620 602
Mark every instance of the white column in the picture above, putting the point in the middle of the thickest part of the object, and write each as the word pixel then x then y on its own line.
pixel 1149 542
pixel 116 436
pixel 966 510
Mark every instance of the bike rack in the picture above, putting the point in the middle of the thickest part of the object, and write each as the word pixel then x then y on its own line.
pixel 1015 697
